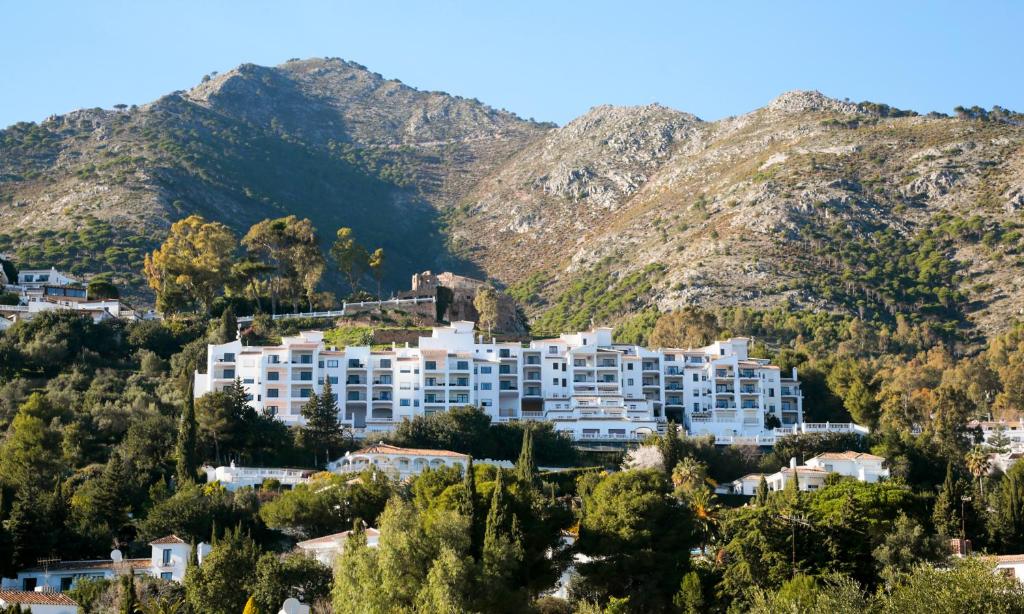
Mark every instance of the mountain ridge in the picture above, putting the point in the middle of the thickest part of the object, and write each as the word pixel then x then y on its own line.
pixel 760 209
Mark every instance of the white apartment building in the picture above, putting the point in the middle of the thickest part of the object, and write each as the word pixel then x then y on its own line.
pixel 584 383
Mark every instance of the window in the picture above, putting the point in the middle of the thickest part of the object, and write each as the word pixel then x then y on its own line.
pixel 462 365
pixel 229 357
pixel 485 385
pixel 28 584
pixel 229 374
pixel 332 364
pixel 695 378
pixel 554 381
pixel 552 349
pixel 306 359
pixel 305 376
pixel 385 363
pixel 272 393
pixel 274 359
pixel 485 370
pixel 629 366
pixel 771 392
pixel 273 376
pixel 305 393
pixel 404 403
pixel 629 382
pixel 166 560
pixel 248 380
pixel 65 583
pixel 430 365
pixel 353 363
pixel 333 379
pixel 165 575
pixel 696 407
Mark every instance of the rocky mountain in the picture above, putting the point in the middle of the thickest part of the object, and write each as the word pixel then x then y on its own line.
pixel 809 201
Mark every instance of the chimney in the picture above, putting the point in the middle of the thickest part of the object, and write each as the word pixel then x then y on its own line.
pixel 792 463
pixel 202 550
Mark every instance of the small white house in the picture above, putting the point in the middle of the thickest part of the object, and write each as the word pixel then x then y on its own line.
pixel 1011 565
pixel 39 602
pixel 747 485
pixel 168 560
pixel 329 547
pixel 865 467
pixel 37 278
pixel 397 462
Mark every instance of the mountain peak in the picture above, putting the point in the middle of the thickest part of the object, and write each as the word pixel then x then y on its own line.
pixel 806 101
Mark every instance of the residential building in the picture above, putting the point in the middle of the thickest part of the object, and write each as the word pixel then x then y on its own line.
pixel 168 560
pixel 812 474
pixel 329 547
pixel 397 462
pixel 588 386
pixel 39 602
pixel 861 465
pixel 232 478
pixel 1011 565
pixel 37 278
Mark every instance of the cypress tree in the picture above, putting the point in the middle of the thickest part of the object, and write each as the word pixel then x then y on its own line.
pixel 228 326
pixel 944 514
pixel 502 551
pixel 526 468
pixel 671 448
pixel 187 462
pixel 761 495
pixel 128 600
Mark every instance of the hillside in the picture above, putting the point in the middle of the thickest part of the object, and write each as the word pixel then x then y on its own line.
pixel 809 202
pixel 324 139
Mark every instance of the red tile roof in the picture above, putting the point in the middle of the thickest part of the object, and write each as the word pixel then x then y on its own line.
pixel 170 539
pixel 383 448
pixel 334 538
pixel 848 455
pixel 35 598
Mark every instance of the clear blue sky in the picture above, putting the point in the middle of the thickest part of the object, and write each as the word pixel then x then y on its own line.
pixel 549 60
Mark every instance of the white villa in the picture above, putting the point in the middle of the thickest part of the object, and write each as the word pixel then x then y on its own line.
pixel 232 478
pixel 38 278
pixel 397 462
pixel 329 547
pixel 588 386
pixel 168 560
pixel 812 474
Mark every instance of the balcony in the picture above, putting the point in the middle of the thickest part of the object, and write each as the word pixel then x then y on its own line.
pixel 747 374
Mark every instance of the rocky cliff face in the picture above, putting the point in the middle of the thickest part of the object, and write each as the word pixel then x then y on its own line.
pixel 809 201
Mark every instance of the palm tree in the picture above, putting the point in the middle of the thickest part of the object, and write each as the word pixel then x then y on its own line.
pixel 158 605
pixel 689 475
pixel 704 505
pixel 978 464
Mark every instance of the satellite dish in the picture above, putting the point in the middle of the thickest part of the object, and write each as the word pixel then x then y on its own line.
pixel 115 555
pixel 291 606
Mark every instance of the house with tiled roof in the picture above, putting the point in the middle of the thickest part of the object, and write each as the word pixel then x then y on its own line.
pixel 39 602
pixel 812 474
pixel 861 465
pixel 397 462
pixel 168 560
pixel 329 547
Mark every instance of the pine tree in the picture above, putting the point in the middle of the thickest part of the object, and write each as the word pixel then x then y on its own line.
pixel 228 326
pixel 129 602
pixel 944 514
pixel 187 461
pixel 690 598
pixel 761 495
pixel 322 430
pixel 526 468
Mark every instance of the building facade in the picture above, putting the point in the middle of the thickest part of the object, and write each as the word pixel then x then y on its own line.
pixel 168 560
pixel 584 383
pixel 399 463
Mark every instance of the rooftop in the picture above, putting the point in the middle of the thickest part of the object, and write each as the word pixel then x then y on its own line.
pixel 334 538
pixel 383 448
pixel 848 455
pixel 170 539
pixel 35 598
